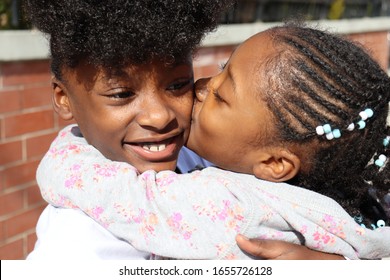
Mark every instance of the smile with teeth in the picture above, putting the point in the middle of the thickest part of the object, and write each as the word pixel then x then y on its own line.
pixel 154 147
pixel 155 150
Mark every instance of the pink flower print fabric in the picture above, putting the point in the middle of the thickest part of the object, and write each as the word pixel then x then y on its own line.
pixel 197 215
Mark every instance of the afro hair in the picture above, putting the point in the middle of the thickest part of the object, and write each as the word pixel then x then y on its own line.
pixel 114 33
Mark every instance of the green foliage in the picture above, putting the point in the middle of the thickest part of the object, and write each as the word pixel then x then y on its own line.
pixel 11 15
pixel 336 9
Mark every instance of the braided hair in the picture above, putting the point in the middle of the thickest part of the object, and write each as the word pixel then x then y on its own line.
pixel 320 78
pixel 114 33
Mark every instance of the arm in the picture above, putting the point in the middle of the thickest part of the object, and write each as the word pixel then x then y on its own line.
pixel 185 210
pixel 142 208
pixel 280 250
pixel 263 249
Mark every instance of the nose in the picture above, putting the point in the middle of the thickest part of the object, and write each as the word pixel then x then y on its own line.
pixel 201 89
pixel 155 114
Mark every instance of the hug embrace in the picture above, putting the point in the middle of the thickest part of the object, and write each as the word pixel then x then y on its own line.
pixel 295 126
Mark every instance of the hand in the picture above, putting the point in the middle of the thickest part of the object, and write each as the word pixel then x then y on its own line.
pixel 281 250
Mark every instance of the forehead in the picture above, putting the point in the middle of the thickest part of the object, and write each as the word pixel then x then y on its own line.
pixel 85 72
pixel 257 47
pixel 253 56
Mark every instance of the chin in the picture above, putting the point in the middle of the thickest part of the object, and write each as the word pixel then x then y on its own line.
pixel 158 167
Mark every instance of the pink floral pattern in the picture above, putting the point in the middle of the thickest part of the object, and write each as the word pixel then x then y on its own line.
pixel 155 211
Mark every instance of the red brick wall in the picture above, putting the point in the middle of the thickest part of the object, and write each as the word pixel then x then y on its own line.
pixel 377 44
pixel 28 125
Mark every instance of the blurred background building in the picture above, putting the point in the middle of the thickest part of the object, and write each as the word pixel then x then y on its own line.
pixel 28 124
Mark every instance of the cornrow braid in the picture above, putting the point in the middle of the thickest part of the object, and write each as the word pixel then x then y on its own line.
pixel 323 78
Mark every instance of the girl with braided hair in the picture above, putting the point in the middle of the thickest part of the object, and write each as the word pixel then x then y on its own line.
pixel 327 102
pixel 293 105
pixel 123 71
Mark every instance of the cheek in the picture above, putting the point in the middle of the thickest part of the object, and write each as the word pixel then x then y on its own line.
pixel 183 109
pixel 209 123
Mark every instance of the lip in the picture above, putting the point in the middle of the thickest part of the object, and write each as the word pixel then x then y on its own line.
pixel 173 145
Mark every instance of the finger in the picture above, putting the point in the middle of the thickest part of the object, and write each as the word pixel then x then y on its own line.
pixel 281 250
pixel 256 247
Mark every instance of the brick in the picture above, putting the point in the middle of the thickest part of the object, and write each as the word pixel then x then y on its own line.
pixel 1 128
pixel 31 240
pixel 12 251
pixel 206 71
pixel 34 196
pixel 1 180
pixel 22 222
pixel 36 96
pixel 38 146
pixel 10 101
pixel 2 232
pixel 11 202
pixel 20 174
pixel 10 152
pixel 28 122
pixel 376 44
pixel 225 52
pixel 26 73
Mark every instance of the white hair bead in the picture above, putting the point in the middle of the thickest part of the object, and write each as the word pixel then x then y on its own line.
pixel 363 115
pixel 351 127
pixel 329 136
pixel 320 130
pixel 382 158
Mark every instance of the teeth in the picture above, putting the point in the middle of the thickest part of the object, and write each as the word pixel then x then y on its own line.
pixel 155 148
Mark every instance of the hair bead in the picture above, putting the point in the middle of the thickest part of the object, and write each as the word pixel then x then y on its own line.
pixel 369 112
pixel 327 128
pixel 380 223
pixel 366 114
pixel 363 115
pixel 361 124
pixel 386 141
pixel 336 133
pixel 320 130
pixel 381 160
pixel 379 163
pixel 351 127
pixel 329 136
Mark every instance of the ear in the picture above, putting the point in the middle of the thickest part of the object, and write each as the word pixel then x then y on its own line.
pixel 60 100
pixel 278 165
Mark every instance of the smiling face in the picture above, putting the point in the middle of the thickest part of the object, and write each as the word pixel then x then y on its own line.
pixel 140 115
pixel 232 126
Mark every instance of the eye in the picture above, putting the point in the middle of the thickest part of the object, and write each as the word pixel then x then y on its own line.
pixel 121 95
pixel 217 97
pixel 180 85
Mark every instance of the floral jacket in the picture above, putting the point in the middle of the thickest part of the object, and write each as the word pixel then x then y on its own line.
pixel 197 215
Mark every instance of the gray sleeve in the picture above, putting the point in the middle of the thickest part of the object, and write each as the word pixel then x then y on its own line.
pixel 192 216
